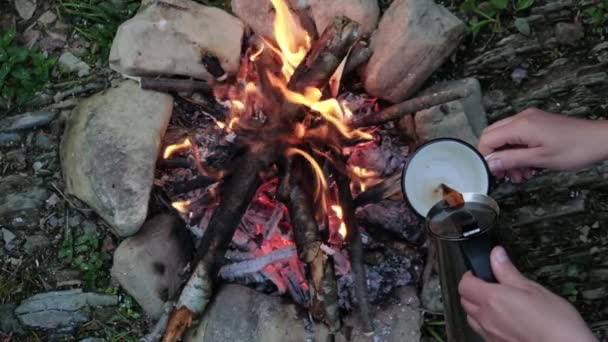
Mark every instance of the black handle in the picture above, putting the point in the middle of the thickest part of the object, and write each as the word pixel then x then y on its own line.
pixel 476 253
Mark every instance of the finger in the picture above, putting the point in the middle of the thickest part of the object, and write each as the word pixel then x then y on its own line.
pixel 514 159
pixel 470 308
pixel 477 328
pixel 516 175
pixel 474 289
pixel 529 173
pixel 505 272
pixel 497 135
pixel 500 123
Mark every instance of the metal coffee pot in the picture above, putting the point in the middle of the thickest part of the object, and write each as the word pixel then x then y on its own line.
pixel 463 235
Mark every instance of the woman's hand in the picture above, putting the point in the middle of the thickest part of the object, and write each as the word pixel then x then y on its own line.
pixel 517 309
pixel 538 139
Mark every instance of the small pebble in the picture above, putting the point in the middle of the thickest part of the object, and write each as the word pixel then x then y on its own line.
pixel 10 139
pixel 47 18
pixel 53 200
pixel 519 75
pixel 569 33
pixel 16 158
pixel 9 239
pixel 43 141
pixel 26 121
pixel 35 242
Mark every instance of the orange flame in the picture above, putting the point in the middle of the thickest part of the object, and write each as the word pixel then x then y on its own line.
pixel 257 53
pixel 321 181
pixel 176 147
pixel 181 206
pixel 330 109
pixel 338 210
pixel 293 40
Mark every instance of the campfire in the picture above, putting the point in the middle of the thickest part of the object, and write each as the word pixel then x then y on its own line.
pixel 270 186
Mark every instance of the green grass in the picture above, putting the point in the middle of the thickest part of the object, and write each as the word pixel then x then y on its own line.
pixel 597 15
pixel 98 20
pixel 84 253
pixel 492 14
pixel 23 72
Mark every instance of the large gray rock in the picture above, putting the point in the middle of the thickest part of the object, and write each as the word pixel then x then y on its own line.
pixel 25 8
pixel 238 313
pixel 399 320
pixel 148 265
pixel 271 319
pixel 109 150
pixel 259 14
pixel 171 37
pixel 413 39
pixel 61 309
pixel 21 200
pixel 364 12
pixel 464 119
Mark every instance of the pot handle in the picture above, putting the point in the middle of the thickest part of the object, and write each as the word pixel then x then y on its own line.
pixel 476 253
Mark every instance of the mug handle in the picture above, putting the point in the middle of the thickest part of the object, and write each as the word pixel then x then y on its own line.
pixel 476 252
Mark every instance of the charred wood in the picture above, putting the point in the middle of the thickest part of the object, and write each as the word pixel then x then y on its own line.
pixel 175 85
pixel 308 240
pixel 355 249
pixel 175 163
pixel 359 56
pixel 214 67
pixel 411 106
pixel 177 188
pixel 237 192
pixel 325 55
pixel 389 187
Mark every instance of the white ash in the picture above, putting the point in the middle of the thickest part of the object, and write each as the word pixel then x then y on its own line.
pixel 382 279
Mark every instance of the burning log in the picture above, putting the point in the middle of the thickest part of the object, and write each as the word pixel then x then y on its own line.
pixel 411 106
pixel 174 85
pixel 308 241
pixel 355 248
pixel 237 192
pixel 325 55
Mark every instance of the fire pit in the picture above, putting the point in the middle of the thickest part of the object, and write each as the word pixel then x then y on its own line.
pixel 285 161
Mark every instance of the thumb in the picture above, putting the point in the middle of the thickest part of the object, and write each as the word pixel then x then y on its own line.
pixel 504 270
pixel 512 159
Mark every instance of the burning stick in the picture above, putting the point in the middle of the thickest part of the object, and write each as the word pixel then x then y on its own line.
pixel 325 55
pixel 411 106
pixel 237 191
pixel 308 241
pixel 355 249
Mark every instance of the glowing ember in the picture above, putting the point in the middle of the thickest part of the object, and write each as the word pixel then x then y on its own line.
pixel 171 149
pixel 338 210
pixel 181 206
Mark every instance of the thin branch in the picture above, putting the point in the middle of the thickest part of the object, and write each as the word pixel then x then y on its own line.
pixel 411 106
